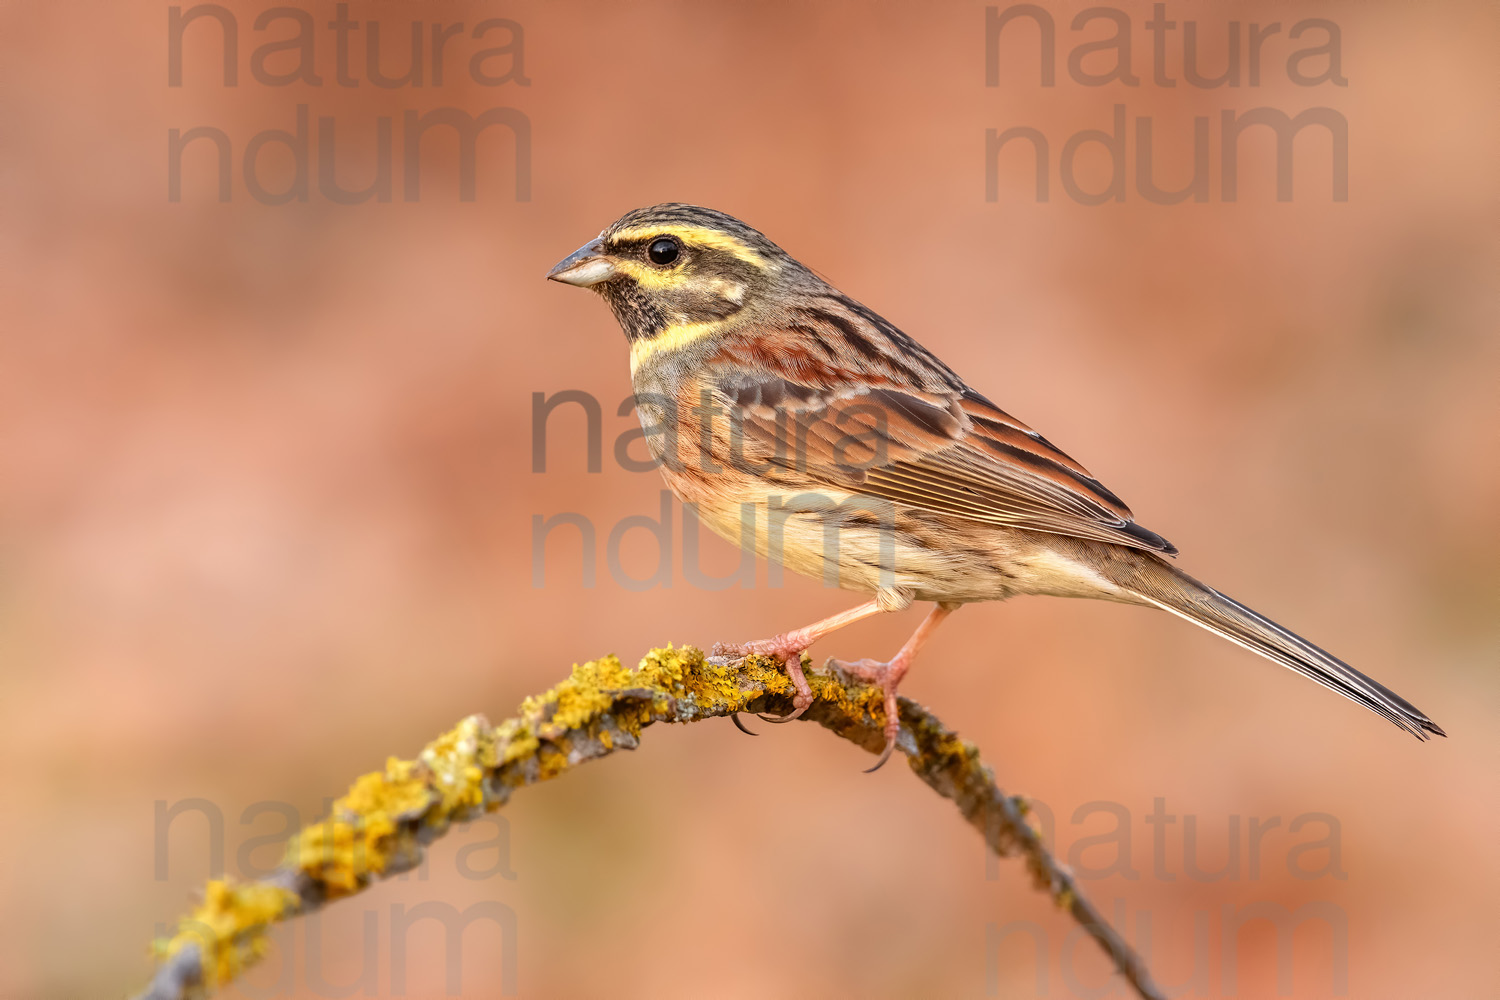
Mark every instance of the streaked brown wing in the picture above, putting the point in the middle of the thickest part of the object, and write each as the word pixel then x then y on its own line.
pixel 949 451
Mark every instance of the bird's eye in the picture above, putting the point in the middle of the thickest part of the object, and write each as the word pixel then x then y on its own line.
pixel 663 251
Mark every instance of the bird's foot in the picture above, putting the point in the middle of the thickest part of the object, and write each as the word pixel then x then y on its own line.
pixel 886 675
pixel 786 648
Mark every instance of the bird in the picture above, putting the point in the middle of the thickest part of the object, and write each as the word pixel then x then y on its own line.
pixel 801 424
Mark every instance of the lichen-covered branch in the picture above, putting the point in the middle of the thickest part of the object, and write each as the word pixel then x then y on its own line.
pixel 381 826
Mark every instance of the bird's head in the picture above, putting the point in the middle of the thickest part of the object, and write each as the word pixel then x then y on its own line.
pixel 675 274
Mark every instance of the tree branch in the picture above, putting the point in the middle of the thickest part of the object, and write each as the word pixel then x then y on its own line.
pixel 382 825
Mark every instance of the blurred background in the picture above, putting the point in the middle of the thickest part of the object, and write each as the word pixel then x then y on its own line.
pixel 267 496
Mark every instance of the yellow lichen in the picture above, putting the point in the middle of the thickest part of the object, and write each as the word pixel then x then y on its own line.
pixel 456 762
pixel 228 927
pixel 579 700
pixel 519 745
pixel 587 693
pixel 359 839
pixel 552 763
pixel 400 788
pixel 344 854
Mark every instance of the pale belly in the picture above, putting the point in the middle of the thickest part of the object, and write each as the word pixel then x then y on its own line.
pixel 868 546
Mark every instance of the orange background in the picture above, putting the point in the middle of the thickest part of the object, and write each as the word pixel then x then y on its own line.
pixel 266 497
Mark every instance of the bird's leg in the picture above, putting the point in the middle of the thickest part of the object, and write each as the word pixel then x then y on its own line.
pixel 886 675
pixel 788 648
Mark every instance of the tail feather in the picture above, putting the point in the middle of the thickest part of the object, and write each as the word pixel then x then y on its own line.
pixel 1175 591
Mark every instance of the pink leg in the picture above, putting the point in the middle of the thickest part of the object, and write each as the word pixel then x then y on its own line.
pixel 788 648
pixel 887 675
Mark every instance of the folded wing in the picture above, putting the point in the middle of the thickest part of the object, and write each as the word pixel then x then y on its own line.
pixel 948 451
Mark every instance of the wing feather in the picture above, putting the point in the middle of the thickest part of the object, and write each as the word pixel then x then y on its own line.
pixel 944 450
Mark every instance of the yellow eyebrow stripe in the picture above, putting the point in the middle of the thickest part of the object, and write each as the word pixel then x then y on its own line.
pixel 698 236
pixel 673 338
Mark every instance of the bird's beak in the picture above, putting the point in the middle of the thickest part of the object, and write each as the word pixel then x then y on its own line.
pixel 584 267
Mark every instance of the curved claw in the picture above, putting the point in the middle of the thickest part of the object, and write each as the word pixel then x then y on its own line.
pixel 735 718
pixel 885 755
pixel 795 713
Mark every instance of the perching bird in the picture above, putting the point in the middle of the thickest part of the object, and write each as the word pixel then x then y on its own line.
pixel 803 425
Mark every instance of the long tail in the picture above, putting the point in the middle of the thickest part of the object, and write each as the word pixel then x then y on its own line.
pixel 1163 585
